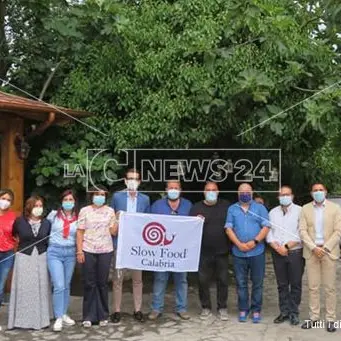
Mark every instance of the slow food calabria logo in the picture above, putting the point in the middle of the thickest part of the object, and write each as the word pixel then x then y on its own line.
pixel 155 234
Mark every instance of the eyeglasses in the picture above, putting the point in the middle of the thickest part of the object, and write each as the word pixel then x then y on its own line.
pixel 133 179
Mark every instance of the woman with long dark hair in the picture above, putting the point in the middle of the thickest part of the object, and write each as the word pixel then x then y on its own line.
pixel 7 241
pixel 29 305
pixel 96 225
pixel 61 256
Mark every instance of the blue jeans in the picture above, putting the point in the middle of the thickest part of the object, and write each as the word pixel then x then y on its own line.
pixel 159 290
pixel 61 262
pixel 6 264
pixel 254 265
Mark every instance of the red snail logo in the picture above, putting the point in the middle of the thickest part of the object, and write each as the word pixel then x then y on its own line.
pixel 155 234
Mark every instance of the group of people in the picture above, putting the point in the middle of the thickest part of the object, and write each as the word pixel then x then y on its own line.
pixel 48 249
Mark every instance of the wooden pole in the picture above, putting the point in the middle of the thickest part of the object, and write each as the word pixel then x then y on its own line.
pixel 12 168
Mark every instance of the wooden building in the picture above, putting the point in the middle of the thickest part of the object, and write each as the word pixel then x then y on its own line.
pixel 17 117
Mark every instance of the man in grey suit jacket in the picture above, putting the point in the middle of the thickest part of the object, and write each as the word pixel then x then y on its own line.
pixel 129 200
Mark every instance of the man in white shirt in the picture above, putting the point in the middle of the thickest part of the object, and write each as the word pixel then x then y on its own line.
pixel 287 255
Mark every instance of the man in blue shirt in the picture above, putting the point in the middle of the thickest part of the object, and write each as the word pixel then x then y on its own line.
pixel 129 200
pixel 172 204
pixel 247 225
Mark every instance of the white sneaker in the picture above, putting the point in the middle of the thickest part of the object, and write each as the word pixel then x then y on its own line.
pixel 103 323
pixel 223 314
pixel 87 324
pixel 68 321
pixel 205 314
pixel 58 325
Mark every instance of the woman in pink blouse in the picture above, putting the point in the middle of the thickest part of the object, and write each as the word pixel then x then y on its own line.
pixel 96 225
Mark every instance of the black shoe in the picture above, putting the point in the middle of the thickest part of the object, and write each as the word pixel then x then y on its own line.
pixel 281 318
pixel 115 317
pixel 308 324
pixel 294 320
pixel 331 327
pixel 138 316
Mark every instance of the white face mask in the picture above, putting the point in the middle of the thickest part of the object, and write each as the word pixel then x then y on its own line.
pixel 4 204
pixel 37 211
pixel 132 185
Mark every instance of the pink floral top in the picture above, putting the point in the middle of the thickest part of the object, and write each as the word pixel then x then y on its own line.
pixel 96 222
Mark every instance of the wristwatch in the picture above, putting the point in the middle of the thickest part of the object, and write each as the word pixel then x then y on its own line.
pixel 256 241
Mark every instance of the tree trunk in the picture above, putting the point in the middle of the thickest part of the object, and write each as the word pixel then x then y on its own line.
pixel 4 53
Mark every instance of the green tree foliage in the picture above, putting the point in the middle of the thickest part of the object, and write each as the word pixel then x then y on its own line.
pixel 32 52
pixel 192 73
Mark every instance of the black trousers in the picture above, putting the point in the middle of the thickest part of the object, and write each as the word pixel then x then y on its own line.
pixel 289 271
pixel 95 279
pixel 210 264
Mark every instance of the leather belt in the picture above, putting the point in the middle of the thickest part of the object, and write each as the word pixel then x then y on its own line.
pixel 295 250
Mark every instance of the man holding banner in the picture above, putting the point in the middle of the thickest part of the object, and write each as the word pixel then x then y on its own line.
pixel 167 242
pixel 173 204
pixel 129 200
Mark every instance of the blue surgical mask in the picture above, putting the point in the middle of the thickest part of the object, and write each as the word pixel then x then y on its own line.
pixel 173 194
pixel 245 197
pixel 211 196
pixel 285 200
pixel 68 205
pixel 319 196
pixel 98 200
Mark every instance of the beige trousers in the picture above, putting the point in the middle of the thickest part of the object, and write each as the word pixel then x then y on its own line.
pixel 321 271
pixel 118 284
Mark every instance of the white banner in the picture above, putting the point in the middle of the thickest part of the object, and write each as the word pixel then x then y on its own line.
pixel 156 242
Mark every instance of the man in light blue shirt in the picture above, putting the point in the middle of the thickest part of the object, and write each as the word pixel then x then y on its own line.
pixel 319 211
pixel 129 200
pixel 247 225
